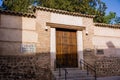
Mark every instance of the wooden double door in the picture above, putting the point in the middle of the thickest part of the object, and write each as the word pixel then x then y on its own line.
pixel 66 48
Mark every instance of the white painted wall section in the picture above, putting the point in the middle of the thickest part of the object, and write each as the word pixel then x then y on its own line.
pixel 28 23
pixel 107 39
pixel 29 36
pixel 79 46
pixel 104 42
pixel 104 31
pixel 66 19
pixel 52 47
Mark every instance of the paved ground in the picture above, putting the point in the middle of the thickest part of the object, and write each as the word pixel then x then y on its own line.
pixel 110 78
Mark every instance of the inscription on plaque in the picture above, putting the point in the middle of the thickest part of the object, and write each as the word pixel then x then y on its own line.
pixel 27 48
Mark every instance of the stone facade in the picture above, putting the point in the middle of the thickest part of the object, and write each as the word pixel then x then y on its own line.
pixel 26 34
pixel 88 47
pixel 108 66
pixel 43 44
pixel 27 67
pixel 15 31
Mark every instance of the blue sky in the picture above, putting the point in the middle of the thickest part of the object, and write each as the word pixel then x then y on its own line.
pixel 0 2
pixel 113 5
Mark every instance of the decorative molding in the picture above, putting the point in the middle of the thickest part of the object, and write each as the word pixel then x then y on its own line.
pixel 71 27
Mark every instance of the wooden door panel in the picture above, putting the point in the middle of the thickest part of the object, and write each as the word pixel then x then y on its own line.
pixel 66 47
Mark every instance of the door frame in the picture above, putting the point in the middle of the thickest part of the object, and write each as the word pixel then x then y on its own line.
pixel 53 44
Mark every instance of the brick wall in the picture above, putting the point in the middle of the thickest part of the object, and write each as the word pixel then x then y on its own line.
pixel 27 67
pixel 88 48
pixel 108 66
pixel 43 44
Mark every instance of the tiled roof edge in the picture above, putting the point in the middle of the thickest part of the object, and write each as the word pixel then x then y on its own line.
pixel 63 12
pixel 17 13
pixel 107 25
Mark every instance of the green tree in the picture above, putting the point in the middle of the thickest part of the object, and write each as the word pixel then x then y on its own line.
pixel 117 20
pixel 92 7
pixel 109 19
pixel 17 5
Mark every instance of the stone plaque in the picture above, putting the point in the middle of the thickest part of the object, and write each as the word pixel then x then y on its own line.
pixel 28 48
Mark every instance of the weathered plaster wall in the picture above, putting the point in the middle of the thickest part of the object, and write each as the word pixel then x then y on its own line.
pixel 16 22
pixel 18 35
pixel 15 31
pixel 10 48
pixel 9 21
pixel 29 36
pixel 106 31
pixel 10 35
pixel 28 23
pixel 107 39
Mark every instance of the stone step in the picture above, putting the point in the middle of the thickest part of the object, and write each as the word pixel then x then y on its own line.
pixel 76 78
pixel 73 74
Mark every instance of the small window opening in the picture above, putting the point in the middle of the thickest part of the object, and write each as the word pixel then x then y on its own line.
pixel 100 51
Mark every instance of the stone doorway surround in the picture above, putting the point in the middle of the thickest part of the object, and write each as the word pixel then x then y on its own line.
pixel 79 33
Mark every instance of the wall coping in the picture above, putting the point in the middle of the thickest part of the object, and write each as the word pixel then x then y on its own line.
pixel 63 12
pixel 8 12
pixel 107 25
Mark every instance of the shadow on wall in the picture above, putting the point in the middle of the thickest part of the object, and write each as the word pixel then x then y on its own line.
pixel 112 50
pixel 109 63
pixel 109 50
pixel 17 34
pixel 10 34
pixel 106 60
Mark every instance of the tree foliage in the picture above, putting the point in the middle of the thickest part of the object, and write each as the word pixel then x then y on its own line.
pixel 117 20
pixel 17 5
pixel 92 7
pixel 109 18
